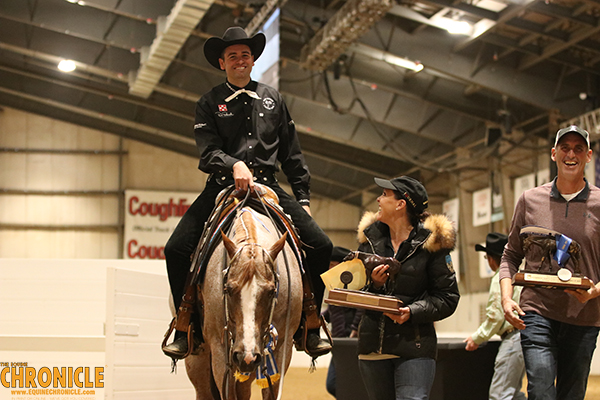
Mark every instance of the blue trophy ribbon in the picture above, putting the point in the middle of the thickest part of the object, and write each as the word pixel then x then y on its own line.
pixel 562 247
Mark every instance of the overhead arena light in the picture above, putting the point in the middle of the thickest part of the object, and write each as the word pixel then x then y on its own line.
pixel 456 27
pixel 402 62
pixel 378 54
pixel 67 65
pixel 352 21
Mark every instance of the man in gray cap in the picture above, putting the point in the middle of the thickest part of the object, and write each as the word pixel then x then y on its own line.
pixel 509 368
pixel 559 328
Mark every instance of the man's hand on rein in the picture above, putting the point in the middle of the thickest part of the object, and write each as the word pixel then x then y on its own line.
pixel 243 177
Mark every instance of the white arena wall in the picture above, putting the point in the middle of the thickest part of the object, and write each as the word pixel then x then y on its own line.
pixel 109 314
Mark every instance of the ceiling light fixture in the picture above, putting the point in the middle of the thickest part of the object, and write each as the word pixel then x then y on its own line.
pixel 402 62
pixel 385 56
pixel 67 65
pixel 456 27
pixel 353 20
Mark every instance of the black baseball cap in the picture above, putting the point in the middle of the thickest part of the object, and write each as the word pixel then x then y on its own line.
pixel 494 244
pixel 411 189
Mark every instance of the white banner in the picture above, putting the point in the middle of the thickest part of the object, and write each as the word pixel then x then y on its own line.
pixel 497 209
pixel 451 210
pixel 543 176
pixel 522 184
pixel 482 207
pixel 150 218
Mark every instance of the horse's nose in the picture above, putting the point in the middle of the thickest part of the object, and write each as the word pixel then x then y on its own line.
pixel 246 361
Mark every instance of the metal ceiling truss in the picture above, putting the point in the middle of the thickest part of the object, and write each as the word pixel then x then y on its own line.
pixel 525 61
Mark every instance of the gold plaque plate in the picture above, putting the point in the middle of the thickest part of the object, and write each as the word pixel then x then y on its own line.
pixel 360 299
pixel 549 280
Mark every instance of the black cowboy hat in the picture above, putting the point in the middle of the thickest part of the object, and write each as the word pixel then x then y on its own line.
pixel 214 46
pixel 494 244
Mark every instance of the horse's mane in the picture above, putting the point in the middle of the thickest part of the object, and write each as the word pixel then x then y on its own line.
pixel 251 258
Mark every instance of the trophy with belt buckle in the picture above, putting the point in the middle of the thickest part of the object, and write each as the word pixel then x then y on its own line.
pixel 553 246
pixel 345 280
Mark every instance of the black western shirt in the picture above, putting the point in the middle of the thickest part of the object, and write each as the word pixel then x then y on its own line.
pixel 259 132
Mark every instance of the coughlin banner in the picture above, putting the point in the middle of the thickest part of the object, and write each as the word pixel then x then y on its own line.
pixel 150 218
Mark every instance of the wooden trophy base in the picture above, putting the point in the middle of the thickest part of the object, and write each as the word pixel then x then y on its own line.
pixel 550 280
pixel 360 299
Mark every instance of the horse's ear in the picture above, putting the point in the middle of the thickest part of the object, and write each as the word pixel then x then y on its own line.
pixel 277 246
pixel 229 245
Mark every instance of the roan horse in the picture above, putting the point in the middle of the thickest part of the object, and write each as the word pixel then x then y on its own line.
pixel 251 290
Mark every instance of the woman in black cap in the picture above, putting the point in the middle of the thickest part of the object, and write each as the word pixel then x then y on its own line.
pixel 397 351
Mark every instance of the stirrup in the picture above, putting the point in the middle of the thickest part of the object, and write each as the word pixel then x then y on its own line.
pixel 190 337
pixel 300 344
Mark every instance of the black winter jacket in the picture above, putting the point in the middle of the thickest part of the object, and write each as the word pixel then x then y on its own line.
pixel 426 284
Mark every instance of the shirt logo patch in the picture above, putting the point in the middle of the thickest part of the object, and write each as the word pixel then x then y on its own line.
pixel 268 103
pixel 200 125
pixel 449 263
pixel 222 107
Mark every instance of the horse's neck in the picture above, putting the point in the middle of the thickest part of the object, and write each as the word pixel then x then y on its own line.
pixel 245 227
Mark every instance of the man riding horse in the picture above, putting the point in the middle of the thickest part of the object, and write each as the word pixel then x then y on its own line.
pixel 243 130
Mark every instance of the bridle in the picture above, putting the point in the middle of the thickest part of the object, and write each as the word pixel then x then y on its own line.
pixel 228 334
pixel 274 271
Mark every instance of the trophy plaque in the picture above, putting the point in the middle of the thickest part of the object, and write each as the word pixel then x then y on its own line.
pixel 343 280
pixel 542 246
pixel 359 299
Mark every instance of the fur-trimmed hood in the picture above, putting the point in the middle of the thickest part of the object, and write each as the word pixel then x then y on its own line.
pixel 443 234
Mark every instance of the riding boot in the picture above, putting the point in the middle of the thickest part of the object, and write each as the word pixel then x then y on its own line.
pixel 188 327
pixel 307 338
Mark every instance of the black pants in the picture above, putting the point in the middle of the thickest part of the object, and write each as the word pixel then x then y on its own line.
pixel 184 239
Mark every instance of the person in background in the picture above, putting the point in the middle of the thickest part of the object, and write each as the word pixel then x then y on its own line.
pixel 344 320
pixel 244 134
pixel 397 351
pixel 509 367
pixel 559 328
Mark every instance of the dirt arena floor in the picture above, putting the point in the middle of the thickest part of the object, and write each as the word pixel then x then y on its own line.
pixel 299 384
pixel 593 391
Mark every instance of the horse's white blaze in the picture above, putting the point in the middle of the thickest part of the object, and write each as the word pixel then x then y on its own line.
pixel 248 297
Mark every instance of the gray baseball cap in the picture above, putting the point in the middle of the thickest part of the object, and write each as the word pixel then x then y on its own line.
pixel 573 128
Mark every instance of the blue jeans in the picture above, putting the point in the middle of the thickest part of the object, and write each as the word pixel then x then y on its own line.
pixel 553 349
pixel 398 378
